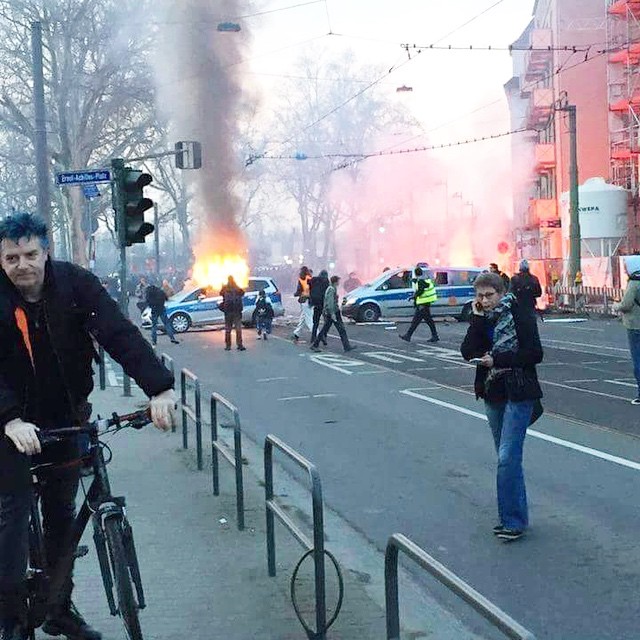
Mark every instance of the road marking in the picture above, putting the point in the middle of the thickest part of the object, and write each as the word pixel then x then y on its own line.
pixel 337 363
pixel 579 381
pixel 394 358
pixel 424 369
pixel 583 344
pixel 532 432
pixel 623 384
pixel 272 379
pixel 308 397
pixel 113 380
pixel 595 393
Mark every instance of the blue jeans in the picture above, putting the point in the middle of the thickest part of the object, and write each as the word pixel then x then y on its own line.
pixel 634 347
pixel 509 422
pixel 167 326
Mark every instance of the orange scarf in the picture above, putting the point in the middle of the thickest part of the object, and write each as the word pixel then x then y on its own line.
pixel 23 325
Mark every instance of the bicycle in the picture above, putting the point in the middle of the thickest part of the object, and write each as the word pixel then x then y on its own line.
pixel 112 533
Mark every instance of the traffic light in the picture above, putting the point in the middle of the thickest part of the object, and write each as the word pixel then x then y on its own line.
pixel 134 204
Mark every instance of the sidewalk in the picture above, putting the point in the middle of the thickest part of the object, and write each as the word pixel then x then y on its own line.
pixel 203 578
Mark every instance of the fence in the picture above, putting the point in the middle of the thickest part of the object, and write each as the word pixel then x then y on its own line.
pixel 194 412
pixel 315 547
pixel 102 373
pixel 487 609
pixel 596 300
pixel 233 457
pixel 167 361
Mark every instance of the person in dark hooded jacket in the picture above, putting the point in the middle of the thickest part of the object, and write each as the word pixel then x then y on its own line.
pixel 503 341
pixel 317 288
pixel 526 287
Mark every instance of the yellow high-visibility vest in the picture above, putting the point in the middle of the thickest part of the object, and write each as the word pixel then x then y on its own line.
pixel 429 294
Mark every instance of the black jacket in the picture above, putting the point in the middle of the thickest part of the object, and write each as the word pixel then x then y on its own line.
pixel 478 342
pixel 526 288
pixel 76 307
pixel 317 288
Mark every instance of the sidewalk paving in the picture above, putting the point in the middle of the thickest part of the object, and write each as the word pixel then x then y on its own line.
pixel 203 578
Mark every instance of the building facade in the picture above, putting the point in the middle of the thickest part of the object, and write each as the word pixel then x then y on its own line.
pixel 560 58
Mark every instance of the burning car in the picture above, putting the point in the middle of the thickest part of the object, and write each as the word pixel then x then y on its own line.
pixel 198 306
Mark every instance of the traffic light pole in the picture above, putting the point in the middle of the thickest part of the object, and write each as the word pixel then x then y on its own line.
pixel 156 238
pixel 117 166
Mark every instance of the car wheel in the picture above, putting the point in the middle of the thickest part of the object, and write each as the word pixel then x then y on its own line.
pixel 180 322
pixel 465 316
pixel 369 313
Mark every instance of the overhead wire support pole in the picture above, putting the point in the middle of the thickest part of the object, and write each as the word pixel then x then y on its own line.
pixel 40 130
pixel 574 194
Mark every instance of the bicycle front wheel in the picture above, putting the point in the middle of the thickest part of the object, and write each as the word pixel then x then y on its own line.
pixel 127 605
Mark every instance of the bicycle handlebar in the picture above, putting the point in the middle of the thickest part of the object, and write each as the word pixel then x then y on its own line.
pixel 134 420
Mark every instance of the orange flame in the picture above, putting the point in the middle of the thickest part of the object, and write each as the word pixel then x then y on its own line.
pixel 214 270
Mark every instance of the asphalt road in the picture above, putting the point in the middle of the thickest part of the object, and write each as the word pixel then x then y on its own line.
pixel 402 446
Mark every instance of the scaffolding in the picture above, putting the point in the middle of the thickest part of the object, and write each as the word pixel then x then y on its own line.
pixel 623 45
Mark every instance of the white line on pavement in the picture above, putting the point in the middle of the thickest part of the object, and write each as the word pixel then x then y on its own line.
pixel 532 432
pixel 623 384
pixel 308 397
pixel 583 344
pixel 272 379
pixel 579 381
pixel 595 393
pixel 395 358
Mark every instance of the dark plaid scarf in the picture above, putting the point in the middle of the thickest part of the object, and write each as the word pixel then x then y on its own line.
pixel 505 338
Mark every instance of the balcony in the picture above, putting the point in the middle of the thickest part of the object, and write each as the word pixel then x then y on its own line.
pixel 545 157
pixel 542 210
pixel 538 60
pixel 540 108
pixel 620 7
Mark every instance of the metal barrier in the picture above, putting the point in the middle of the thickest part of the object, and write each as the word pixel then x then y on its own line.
pixel 102 373
pixel 316 547
pixel 195 413
pixel 233 458
pixel 484 607
pixel 598 300
pixel 167 361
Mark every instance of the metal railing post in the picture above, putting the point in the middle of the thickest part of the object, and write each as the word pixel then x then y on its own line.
pixel 167 361
pixel 183 401
pixel 397 542
pixel 198 425
pixel 234 459
pixel 316 546
pixel 102 373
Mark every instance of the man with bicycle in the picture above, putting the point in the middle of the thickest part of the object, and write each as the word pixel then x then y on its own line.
pixel 50 314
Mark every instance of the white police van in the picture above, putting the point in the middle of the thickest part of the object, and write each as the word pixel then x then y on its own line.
pixel 390 295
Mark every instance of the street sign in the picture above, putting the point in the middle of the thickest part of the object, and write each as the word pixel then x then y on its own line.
pixel 188 154
pixel 90 191
pixel 69 178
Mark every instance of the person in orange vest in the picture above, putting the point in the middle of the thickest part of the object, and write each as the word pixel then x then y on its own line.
pixel 306 311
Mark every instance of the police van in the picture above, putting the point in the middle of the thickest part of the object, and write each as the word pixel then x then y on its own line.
pixel 390 295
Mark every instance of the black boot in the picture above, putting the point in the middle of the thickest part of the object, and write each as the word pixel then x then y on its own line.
pixel 13 613
pixel 68 622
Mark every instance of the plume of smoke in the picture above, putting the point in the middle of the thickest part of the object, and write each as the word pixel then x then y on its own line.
pixel 199 92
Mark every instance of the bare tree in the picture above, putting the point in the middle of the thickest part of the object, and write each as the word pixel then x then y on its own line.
pixel 98 88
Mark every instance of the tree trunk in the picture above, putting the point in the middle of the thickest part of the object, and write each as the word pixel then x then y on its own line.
pixel 78 239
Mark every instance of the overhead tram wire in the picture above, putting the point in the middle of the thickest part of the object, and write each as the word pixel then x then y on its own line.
pixel 393 68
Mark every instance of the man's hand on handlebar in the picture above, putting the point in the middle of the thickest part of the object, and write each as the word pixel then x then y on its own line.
pixel 24 436
pixel 163 410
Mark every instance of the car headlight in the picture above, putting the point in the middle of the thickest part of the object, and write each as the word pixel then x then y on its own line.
pixel 349 302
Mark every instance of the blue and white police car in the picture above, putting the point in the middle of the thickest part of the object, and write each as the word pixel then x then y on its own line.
pixel 390 295
pixel 198 306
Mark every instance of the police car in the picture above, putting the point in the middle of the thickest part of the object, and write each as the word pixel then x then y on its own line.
pixel 198 306
pixel 390 295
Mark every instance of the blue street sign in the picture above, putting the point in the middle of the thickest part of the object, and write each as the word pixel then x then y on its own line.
pixel 82 177
pixel 90 191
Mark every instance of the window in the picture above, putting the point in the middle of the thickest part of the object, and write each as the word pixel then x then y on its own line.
pixel 462 278
pixel 257 285
pixel 442 278
pixel 193 296
pixel 398 281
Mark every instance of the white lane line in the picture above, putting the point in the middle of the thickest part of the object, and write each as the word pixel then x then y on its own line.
pixel 579 381
pixel 113 380
pixel 307 397
pixel 583 344
pixel 424 369
pixel 394 358
pixel 371 373
pixel 272 379
pixel 623 384
pixel 335 367
pixel 594 393
pixel 532 432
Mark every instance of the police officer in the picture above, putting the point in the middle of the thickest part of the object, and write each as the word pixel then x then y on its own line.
pixel 424 296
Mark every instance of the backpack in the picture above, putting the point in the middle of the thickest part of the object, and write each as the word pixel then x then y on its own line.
pixel 232 300
pixel 317 289
pixel 155 297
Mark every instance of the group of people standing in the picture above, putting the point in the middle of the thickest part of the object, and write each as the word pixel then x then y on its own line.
pixel 318 299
